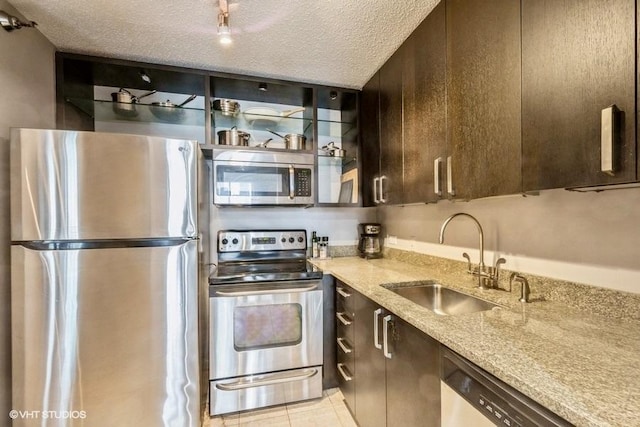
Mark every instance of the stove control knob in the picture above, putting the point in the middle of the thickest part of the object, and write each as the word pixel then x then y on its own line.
pixel 283 240
pixel 300 239
pixel 225 241
pixel 234 241
pixel 291 240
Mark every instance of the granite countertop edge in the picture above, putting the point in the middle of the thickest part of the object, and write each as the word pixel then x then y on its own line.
pixel 582 366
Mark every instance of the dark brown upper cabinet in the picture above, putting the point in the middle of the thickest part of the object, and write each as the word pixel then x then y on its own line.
pixel 390 179
pixel 578 58
pixel 404 119
pixel 424 109
pixel 370 140
pixel 483 97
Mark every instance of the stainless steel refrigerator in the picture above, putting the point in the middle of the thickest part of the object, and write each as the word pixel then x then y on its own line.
pixel 104 279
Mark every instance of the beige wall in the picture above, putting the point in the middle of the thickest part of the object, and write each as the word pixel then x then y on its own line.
pixel 589 229
pixel 27 79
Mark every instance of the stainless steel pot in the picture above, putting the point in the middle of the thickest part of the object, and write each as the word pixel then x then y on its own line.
pixel 124 102
pixel 168 111
pixel 234 137
pixel 295 141
pixel 292 141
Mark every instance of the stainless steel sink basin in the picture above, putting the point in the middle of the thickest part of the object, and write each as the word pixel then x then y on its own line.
pixel 441 300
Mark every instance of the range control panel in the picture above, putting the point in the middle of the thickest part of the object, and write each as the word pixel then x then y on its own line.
pixel 261 240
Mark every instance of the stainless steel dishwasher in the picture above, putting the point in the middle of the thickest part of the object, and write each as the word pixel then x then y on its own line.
pixel 472 397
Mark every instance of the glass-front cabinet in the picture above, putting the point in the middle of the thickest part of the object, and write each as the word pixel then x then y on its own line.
pixel 337 147
pixel 112 96
pixel 261 115
pixel 224 111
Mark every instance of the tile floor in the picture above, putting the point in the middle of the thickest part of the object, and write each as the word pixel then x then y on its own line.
pixel 330 411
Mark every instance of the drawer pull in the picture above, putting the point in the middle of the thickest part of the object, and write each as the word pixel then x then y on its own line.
pixel 343 319
pixel 343 346
pixel 342 369
pixel 343 293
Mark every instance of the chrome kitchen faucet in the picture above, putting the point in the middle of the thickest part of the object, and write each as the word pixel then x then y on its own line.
pixel 487 276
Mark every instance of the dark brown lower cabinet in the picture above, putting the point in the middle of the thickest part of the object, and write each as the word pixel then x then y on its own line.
pixel 396 368
pixel 345 344
pixel 371 391
pixel 412 377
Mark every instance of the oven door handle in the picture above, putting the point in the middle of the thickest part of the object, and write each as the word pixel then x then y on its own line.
pixel 269 380
pixel 266 291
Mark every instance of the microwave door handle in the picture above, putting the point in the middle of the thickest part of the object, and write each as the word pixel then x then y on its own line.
pixel 292 183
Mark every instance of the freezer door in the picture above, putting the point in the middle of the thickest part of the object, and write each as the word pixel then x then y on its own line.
pixel 106 336
pixel 68 185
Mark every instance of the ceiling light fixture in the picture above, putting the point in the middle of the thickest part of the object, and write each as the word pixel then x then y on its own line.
pixel 224 32
pixel 145 77
pixel 10 23
pixel 262 87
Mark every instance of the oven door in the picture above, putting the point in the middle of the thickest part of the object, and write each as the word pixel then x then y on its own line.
pixel 264 327
pixel 249 183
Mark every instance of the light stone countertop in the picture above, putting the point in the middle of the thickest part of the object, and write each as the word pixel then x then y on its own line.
pixel 583 366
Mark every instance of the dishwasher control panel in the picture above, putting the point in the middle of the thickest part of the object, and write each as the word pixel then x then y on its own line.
pixel 497 401
pixel 492 409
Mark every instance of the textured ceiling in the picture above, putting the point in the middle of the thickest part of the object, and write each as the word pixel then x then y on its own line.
pixel 332 42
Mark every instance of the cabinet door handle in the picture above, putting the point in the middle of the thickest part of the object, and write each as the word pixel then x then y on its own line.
pixel 345 348
pixel 383 178
pixel 376 181
pixel 376 341
pixel 343 319
pixel 450 177
pixel 385 336
pixel 342 292
pixel 436 176
pixel 342 369
pixel 608 136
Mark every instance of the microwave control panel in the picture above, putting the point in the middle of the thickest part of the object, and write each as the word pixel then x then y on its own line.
pixel 303 182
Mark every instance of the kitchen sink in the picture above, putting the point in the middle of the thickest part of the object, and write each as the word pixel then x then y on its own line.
pixel 441 300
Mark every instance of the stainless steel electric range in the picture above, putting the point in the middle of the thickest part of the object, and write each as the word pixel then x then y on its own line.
pixel 266 321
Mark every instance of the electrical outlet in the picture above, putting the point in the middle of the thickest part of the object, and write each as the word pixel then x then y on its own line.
pixel 392 240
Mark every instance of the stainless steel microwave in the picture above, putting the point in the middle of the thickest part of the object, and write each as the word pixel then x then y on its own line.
pixel 262 177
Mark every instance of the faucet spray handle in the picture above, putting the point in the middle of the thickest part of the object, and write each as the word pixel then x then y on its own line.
pixel 466 255
pixel 496 269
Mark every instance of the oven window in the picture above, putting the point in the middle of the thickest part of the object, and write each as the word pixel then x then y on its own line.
pixel 262 326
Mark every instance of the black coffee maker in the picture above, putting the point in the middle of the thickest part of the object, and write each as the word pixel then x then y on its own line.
pixel 369 245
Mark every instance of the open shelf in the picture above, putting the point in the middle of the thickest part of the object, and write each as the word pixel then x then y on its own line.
pixel 336 129
pixel 263 122
pixel 109 111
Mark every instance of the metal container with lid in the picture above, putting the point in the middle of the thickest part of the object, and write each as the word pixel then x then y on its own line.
pixel 234 137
